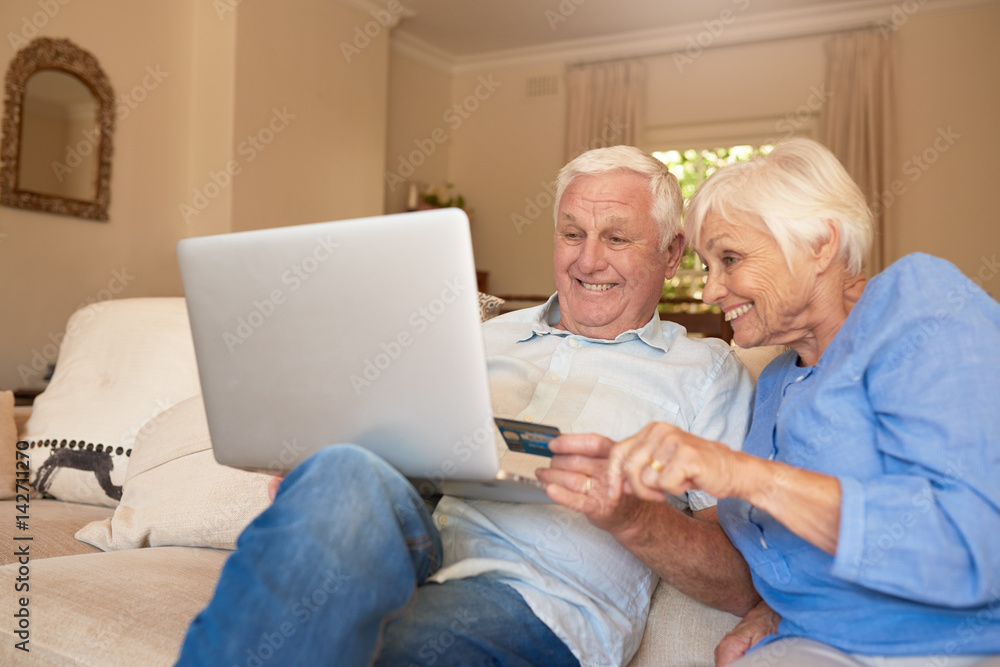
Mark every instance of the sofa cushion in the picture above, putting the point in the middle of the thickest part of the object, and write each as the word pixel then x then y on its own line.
pixel 50 525
pixel 121 363
pixel 175 494
pixel 120 608
pixel 8 441
pixel 681 631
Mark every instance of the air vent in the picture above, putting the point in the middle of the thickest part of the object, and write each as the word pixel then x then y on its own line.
pixel 541 86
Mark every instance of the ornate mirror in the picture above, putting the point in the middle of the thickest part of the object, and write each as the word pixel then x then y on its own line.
pixel 58 119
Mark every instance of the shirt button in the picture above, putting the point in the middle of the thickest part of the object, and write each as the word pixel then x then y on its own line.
pixel 573 343
pixel 763 543
pixel 529 418
pixel 443 520
pixel 554 377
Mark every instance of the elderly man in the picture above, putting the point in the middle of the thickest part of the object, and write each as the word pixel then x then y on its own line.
pixel 349 556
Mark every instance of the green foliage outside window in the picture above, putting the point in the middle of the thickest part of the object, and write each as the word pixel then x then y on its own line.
pixel 692 167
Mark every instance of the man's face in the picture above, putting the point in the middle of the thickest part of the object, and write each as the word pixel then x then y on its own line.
pixel 609 270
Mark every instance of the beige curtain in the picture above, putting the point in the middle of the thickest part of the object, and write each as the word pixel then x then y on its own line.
pixel 604 105
pixel 857 121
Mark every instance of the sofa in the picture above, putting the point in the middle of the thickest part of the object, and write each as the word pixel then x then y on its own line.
pixel 137 518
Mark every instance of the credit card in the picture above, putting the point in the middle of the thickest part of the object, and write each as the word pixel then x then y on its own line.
pixel 527 437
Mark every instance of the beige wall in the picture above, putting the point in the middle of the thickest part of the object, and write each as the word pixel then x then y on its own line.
pixel 309 124
pixel 199 80
pixel 51 264
pixel 948 75
pixel 418 135
pixel 947 142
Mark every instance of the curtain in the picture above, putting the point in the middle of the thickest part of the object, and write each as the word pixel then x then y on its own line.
pixel 857 121
pixel 604 105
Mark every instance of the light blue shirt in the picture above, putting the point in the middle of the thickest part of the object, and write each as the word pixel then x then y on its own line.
pixel 577 579
pixel 903 408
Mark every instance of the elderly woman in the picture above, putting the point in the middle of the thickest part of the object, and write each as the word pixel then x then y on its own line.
pixel 866 500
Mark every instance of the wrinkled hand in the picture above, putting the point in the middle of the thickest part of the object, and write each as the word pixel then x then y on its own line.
pixel 578 479
pixel 760 622
pixel 663 458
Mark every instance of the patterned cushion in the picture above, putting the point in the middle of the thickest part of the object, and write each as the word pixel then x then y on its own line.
pixel 120 365
pixel 489 306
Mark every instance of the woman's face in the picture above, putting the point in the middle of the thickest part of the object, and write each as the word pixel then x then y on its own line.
pixel 765 302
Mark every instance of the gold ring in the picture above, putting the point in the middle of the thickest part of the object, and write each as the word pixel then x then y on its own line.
pixel 588 486
pixel 656 465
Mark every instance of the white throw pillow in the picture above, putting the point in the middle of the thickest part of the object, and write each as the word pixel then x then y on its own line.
pixel 121 363
pixel 176 494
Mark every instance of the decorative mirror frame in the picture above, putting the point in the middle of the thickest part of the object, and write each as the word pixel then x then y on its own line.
pixel 55 54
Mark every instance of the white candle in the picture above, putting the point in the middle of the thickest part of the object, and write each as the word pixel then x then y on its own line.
pixel 411 200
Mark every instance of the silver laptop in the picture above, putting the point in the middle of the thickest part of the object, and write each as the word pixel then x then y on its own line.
pixel 362 331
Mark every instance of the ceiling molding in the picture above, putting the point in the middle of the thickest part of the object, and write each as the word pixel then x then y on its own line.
pixel 413 48
pixel 810 21
pixel 381 10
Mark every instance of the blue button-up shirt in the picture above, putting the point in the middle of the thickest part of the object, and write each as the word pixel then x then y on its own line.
pixel 903 408
pixel 577 579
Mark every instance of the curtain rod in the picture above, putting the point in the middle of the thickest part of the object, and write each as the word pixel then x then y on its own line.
pixel 867 25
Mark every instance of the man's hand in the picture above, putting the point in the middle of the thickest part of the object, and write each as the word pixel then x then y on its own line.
pixel 760 622
pixel 578 479
pixel 272 486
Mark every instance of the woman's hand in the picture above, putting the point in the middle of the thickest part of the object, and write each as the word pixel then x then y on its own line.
pixel 757 624
pixel 578 479
pixel 663 458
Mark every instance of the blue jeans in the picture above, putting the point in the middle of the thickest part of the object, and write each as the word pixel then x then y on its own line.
pixel 335 572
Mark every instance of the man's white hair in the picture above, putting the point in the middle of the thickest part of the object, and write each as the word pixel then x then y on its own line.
pixel 663 186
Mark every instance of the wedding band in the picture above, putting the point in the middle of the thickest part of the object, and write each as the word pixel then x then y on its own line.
pixel 588 486
pixel 656 465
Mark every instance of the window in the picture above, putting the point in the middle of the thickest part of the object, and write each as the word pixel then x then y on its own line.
pixel 691 167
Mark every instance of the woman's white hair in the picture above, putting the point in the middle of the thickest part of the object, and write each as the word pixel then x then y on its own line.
pixel 793 192
pixel 663 186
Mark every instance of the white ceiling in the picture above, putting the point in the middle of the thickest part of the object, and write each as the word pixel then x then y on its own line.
pixel 458 35
pixel 474 27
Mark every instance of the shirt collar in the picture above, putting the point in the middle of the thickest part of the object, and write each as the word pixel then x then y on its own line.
pixel 653 333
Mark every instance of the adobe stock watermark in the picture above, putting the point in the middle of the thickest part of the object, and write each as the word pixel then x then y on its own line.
pixel 41 358
pixel 971 628
pixel 713 29
pixel 434 648
pixel 148 425
pixel 30 25
pixel 914 168
pixel 124 105
pixel 225 7
pixel 264 308
pixel 900 14
pixel 419 320
pixel 269 643
pixel 454 117
pixel 562 12
pixel 484 435
pixel 890 534
pixel 384 19
pixel 541 203
pixel 793 122
pixel 535 206
pixel 249 149
pixel 611 135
